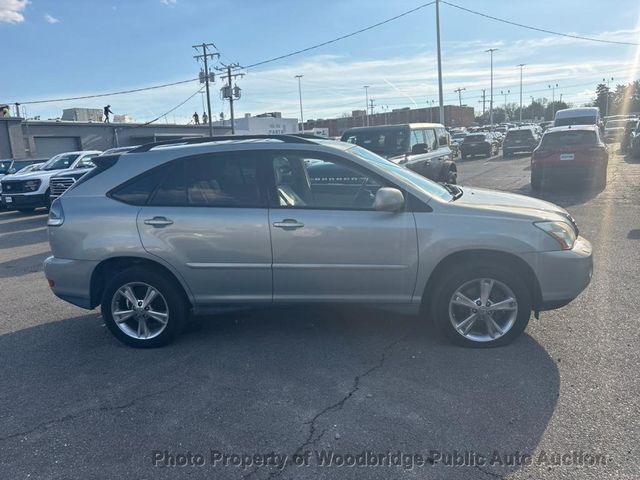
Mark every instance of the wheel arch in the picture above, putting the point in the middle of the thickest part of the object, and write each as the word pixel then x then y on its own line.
pixel 464 257
pixel 111 266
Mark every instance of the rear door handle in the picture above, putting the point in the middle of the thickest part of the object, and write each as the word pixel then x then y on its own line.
pixel 288 224
pixel 158 222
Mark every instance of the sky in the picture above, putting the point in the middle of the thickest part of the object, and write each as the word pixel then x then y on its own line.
pixel 61 48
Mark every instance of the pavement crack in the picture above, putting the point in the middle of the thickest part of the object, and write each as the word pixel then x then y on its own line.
pixel 491 474
pixel 72 416
pixel 313 437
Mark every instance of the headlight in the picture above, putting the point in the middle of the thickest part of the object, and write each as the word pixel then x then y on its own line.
pixel 561 232
pixel 31 185
pixel 56 214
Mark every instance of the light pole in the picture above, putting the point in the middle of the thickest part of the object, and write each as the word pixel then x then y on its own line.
pixel 440 92
pixel 299 77
pixel 521 65
pixel 491 50
pixel 533 114
pixel 505 102
pixel 606 112
pixel 553 99
pixel 366 105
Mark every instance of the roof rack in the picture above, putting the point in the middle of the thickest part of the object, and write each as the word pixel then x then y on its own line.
pixel 301 138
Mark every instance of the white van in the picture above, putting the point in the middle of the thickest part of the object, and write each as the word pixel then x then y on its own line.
pixel 577 116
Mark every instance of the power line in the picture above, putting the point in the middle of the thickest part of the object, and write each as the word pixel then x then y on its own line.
pixel 172 110
pixel 579 37
pixel 328 42
pixel 153 87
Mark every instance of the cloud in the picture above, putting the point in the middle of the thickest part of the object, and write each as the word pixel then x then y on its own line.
pixel 169 2
pixel 11 11
pixel 51 18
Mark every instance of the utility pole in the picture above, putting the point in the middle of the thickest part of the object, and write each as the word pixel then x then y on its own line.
pixel 232 93
pixel 491 50
pixel 366 105
pixel 553 100
pixel 371 105
pixel 440 93
pixel 299 77
pixel 521 65
pixel 459 91
pixel 606 113
pixel 505 102
pixel 205 75
pixel 484 100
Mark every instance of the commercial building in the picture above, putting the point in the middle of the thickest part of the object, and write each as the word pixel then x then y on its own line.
pixel 454 116
pixel 270 123
pixel 20 138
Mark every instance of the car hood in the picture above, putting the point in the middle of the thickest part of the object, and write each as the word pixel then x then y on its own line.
pixel 511 203
pixel 37 174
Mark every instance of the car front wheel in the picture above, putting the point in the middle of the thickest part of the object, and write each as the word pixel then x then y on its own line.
pixel 481 305
pixel 142 308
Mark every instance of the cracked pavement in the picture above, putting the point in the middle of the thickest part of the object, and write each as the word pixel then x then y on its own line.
pixel 77 404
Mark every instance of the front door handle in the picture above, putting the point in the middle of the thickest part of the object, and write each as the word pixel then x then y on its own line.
pixel 288 224
pixel 158 222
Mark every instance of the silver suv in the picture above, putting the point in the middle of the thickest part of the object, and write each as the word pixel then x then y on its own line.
pixel 188 226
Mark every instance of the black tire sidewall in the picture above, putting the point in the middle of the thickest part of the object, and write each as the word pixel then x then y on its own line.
pixel 174 298
pixel 456 277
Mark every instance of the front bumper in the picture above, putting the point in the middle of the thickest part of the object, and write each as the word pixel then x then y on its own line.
pixel 563 274
pixel 24 200
pixel 70 279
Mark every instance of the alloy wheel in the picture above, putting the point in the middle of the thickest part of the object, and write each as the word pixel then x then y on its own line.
pixel 483 309
pixel 139 310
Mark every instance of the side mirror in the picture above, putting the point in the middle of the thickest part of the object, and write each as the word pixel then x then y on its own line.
pixel 388 200
pixel 11 171
pixel 419 148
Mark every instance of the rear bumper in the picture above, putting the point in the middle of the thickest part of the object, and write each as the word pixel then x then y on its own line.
pixel 483 150
pixel 562 275
pixel 517 148
pixel 71 279
pixel 24 200
pixel 576 171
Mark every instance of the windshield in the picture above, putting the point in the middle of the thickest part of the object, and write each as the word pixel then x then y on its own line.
pixel 428 186
pixel 382 141
pixel 616 124
pixel 575 137
pixel 585 120
pixel 59 162
pixel 475 138
pixel 519 134
pixel 457 136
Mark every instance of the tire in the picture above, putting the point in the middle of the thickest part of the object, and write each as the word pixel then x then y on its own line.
pixel 26 210
pixel 506 285
pixel 602 178
pixel 536 181
pixel 47 195
pixel 169 301
pixel 451 176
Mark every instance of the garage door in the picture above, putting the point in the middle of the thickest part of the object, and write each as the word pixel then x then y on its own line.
pixel 50 146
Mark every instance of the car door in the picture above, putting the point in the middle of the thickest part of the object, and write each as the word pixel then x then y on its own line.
pixel 329 244
pixel 208 219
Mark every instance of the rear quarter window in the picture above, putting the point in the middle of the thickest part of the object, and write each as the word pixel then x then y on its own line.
pixel 138 190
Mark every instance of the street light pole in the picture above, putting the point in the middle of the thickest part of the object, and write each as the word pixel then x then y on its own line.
pixel 491 50
pixel 505 102
pixel 521 65
pixel 440 92
pixel 299 77
pixel 366 105
pixel 606 112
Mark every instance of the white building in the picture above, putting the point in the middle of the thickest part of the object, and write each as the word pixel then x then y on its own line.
pixel 263 124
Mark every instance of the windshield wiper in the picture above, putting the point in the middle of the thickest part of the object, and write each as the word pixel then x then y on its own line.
pixel 454 190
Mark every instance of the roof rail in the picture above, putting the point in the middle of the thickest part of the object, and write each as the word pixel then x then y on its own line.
pixel 191 141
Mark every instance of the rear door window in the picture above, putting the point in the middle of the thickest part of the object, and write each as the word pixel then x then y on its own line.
pixel 443 137
pixel 430 138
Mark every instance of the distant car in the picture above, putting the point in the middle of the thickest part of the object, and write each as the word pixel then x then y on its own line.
pixel 577 116
pixel 11 167
pixel 479 144
pixel 31 190
pixel 572 152
pixel 421 147
pixel 62 181
pixel 614 130
pixel 523 139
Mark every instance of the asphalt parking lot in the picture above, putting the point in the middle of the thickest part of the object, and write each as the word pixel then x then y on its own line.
pixel 77 404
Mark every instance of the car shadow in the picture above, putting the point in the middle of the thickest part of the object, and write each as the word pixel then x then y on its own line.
pixel 23 238
pixel 16 267
pixel 282 380
pixel 21 222
pixel 565 195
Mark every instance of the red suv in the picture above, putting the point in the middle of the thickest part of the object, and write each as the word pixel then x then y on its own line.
pixel 574 151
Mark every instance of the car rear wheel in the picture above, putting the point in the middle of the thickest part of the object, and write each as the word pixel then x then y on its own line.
pixel 481 305
pixel 142 308
pixel 536 181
